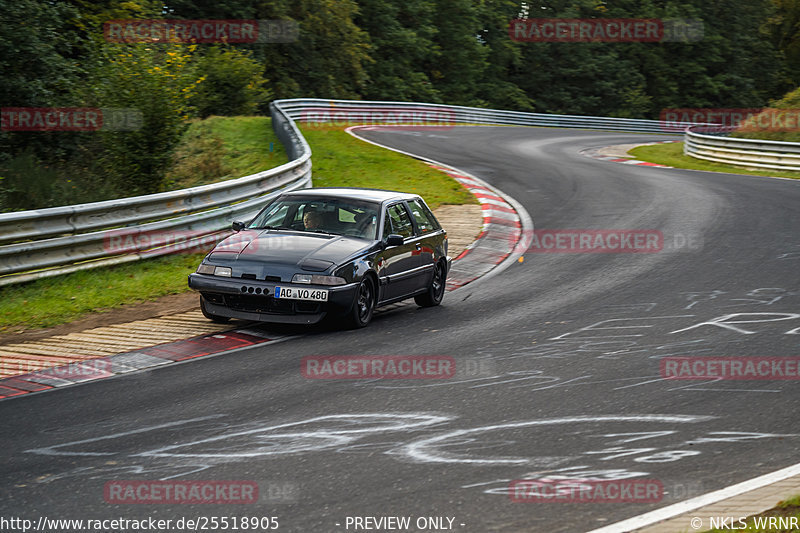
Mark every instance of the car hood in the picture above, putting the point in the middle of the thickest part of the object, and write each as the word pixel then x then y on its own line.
pixel 313 252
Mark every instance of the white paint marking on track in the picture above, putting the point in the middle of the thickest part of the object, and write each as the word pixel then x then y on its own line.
pixel 425 450
pixel 671 511
pixel 306 440
pixel 51 450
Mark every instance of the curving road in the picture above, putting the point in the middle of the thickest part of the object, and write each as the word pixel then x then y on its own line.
pixel 558 363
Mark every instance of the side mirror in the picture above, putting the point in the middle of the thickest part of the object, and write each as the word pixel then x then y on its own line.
pixel 237 226
pixel 395 240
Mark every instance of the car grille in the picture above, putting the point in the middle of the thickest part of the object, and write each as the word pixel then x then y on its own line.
pixel 273 279
pixel 267 304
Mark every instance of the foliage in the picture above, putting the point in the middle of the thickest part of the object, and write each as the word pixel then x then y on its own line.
pixel 35 50
pixel 779 122
pixel 27 182
pixel 232 84
pixel 224 147
pixel 35 62
pixel 401 37
pixel 783 29
pixel 158 81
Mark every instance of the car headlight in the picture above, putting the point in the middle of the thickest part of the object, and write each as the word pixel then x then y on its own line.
pixel 315 279
pixel 212 270
pixel 205 269
pixel 223 271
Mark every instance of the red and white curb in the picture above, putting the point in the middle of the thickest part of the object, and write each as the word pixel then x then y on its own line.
pixel 596 153
pixel 123 363
pixel 501 231
pixel 507 226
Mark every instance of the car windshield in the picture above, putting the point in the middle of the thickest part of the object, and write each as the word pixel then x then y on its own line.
pixel 320 214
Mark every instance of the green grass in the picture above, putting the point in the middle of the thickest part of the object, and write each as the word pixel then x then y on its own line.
pixel 241 146
pixel 340 160
pixel 787 508
pixel 220 148
pixel 52 301
pixel 671 154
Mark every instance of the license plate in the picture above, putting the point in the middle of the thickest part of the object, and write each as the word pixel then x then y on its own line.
pixel 294 293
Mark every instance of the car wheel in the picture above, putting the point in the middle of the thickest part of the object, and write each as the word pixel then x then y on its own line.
pixel 435 293
pixel 364 305
pixel 214 318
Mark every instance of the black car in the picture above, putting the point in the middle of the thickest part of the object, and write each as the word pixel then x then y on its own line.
pixel 314 253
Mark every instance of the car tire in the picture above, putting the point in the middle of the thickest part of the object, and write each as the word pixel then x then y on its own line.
pixel 433 296
pixel 364 304
pixel 214 318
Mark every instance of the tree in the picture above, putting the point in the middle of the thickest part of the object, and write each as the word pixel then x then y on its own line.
pixel 496 87
pixel 232 83
pixel 158 81
pixel 402 40
pixel 34 37
pixel 460 59
pixel 783 28
pixel 327 60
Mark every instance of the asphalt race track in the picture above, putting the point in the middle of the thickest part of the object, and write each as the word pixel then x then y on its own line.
pixel 559 370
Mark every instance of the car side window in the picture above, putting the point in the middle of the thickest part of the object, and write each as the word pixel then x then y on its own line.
pixel 423 216
pixel 278 218
pixel 399 220
pixel 387 226
pixel 300 211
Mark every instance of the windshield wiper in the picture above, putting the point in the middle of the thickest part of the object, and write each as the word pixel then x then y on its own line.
pixel 320 231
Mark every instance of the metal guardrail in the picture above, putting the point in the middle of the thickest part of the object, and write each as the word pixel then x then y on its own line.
pixel 701 140
pixel 712 144
pixel 47 242
pixel 438 116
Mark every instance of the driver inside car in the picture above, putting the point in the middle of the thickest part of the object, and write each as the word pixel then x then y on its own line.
pixel 312 220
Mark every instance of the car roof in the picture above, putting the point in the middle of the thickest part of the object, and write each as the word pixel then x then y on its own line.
pixel 355 193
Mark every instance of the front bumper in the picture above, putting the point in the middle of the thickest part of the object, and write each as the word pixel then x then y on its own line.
pixel 250 299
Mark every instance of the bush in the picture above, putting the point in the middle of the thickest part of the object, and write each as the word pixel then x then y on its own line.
pixel 158 81
pixel 28 182
pixel 198 158
pixel 232 84
pixel 779 122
